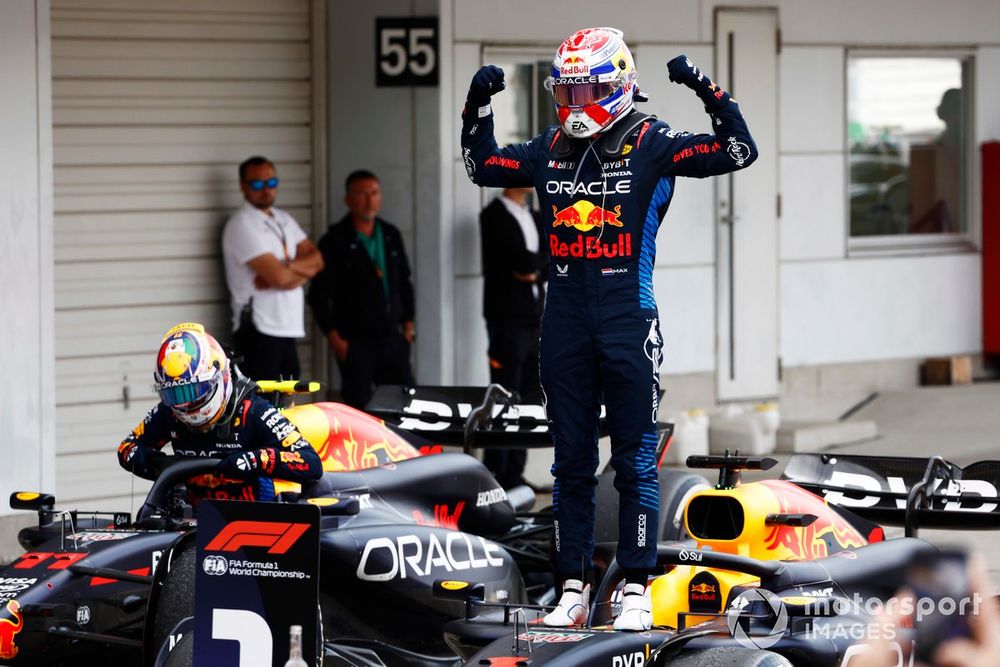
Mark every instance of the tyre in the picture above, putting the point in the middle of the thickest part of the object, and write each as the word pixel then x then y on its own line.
pixel 183 653
pixel 727 657
pixel 176 599
pixel 675 489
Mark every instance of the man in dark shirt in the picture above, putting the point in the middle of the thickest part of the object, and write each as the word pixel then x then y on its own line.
pixel 514 273
pixel 363 299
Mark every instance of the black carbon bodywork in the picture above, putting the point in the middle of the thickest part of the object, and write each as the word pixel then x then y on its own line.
pixel 416 521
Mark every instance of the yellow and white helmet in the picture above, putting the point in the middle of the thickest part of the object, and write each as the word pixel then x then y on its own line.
pixel 192 375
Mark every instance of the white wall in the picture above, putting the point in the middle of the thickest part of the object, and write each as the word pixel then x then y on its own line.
pixel 685 21
pixel 834 308
pixel 867 309
pixel 396 133
pixel 27 397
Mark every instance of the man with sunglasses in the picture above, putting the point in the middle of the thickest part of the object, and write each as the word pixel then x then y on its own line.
pixel 605 174
pixel 268 259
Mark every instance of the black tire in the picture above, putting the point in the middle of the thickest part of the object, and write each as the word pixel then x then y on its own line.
pixel 176 599
pixel 183 653
pixel 728 657
pixel 675 488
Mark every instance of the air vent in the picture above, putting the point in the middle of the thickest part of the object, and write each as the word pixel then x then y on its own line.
pixel 715 518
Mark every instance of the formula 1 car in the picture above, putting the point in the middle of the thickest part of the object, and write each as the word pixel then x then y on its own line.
pixel 394 521
pixel 777 572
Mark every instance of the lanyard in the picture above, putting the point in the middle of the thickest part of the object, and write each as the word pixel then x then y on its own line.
pixel 276 229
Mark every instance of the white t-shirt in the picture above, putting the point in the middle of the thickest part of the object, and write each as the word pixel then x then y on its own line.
pixel 251 233
pixel 525 220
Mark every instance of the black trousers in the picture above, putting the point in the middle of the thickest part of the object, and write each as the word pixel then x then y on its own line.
pixel 370 363
pixel 266 357
pixel 513 354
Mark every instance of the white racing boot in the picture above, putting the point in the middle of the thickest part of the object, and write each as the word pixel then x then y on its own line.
pixel 573 607
pixel 637 609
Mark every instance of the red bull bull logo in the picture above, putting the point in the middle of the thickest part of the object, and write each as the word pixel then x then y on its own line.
pixel 584 216
pixel 443 516
pixel 826 536
pixel 9 627
pixel 703 593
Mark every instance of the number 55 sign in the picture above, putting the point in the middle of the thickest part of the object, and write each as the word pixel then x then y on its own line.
pixel 406 51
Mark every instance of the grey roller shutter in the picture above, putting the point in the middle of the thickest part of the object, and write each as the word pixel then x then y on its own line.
pixel 154 105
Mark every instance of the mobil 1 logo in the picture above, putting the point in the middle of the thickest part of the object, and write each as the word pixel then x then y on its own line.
pixel 406 51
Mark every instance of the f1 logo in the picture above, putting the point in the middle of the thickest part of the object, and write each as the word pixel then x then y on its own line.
pixel 278 537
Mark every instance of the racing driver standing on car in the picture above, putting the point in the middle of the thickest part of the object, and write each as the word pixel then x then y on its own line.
pixel 606 176
pixel 208 408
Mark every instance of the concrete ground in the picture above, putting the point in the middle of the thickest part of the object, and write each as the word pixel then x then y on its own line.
pixel 961 423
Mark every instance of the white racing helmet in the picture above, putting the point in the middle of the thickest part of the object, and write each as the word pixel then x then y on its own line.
pixel 593 81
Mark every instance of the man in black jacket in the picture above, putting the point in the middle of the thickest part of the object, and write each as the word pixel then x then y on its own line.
pixel 514 271
pixel 363 299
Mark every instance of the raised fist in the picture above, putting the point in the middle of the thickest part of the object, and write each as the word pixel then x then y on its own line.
pixel 682 70
pixel 487 82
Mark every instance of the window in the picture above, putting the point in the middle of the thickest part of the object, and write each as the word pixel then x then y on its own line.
pixel 524 108
pixel 907 135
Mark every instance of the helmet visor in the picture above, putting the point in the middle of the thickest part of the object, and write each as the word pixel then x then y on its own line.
pixel 581 94
pixel 188 395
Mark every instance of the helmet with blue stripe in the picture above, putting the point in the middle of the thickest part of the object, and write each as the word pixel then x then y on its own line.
pixel 593 81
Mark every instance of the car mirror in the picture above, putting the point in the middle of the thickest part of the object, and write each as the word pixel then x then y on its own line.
pixel 31 500
pixel 463 591
pixel 336 505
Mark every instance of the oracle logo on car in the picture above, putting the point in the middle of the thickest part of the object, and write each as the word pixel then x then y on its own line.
pixel 386 558
pixel 277 537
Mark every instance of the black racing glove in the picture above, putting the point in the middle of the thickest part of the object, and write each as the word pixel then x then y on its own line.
pixel 248 464
pixel 487 82
pixel 682 70
pixel 143 461
pixel 240 465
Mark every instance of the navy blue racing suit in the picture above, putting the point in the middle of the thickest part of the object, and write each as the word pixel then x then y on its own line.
pixel 255 427
pixel 604 198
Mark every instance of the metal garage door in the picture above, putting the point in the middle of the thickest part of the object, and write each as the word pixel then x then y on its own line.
pixel 154 106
